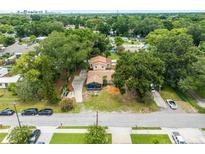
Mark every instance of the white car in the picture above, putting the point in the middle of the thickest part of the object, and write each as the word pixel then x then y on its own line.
pixel 178 139
pixel 172 104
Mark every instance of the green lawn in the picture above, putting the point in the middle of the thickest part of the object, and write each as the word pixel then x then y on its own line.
pixel 65 138
pixel 105 101
pixel 2 136
pixel 7 100
pixel 203 129
pixel 170 93
pixel 150 139
pixel 146 128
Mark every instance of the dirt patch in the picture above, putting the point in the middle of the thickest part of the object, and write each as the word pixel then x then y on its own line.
pixel 186 107
pixel 112 90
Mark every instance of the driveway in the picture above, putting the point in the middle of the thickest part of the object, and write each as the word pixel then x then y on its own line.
pixel 120 135
pixel 159 100
pixel 190 135
pixel 77 84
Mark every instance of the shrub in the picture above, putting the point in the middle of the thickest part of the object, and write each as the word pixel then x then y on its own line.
pixel 12 88
pixel 20 135
pixel 66 105
pixel 155 141
pixel 96 135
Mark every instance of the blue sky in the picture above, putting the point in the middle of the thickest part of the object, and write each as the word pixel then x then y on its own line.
pixel 102 4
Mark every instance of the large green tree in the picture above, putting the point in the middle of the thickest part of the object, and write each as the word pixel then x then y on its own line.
pixel 176 49
pixel 137 71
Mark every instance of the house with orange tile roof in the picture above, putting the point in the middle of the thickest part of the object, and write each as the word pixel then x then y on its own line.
pixel 100 72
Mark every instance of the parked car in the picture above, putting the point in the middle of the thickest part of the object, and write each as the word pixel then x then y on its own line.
pixel 172 104
pixel 7 112
pixel 178 139
pixel 34 137
pixel 46 111
pixel 31 111
pixel 40 142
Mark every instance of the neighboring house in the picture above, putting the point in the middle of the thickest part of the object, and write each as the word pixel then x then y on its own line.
pixel 101 73
pixel 134 47
pixel 5 81
pixel 4 71
pixel 2 47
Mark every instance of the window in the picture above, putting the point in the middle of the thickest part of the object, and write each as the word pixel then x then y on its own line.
pixel 0 84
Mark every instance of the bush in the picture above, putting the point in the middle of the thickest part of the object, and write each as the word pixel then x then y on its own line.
pixel 66 105
pixel 12 88
pixel 155 141
pixel 96 135
pixel 20 135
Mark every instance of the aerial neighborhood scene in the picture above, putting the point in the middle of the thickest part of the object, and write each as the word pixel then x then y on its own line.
pixel 102 78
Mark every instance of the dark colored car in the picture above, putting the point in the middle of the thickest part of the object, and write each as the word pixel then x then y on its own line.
pixel 31 111
pixel 7 112
pixel 45 112
pixel 34 137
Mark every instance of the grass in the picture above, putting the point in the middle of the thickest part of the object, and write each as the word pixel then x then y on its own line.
pixel 186 97
pixel 150 139
pixel 76 127
pixel 184 103
pixel 7 100
pixel 4 126
pixel 65 138
pixel 201 92
pixel 146 128
pixel 108 102
pixel 203 129
pixel 2 136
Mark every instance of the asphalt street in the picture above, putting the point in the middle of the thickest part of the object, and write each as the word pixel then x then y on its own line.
pixel 113 119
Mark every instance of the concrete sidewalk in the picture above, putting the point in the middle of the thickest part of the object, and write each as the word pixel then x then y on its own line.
pixel 120 135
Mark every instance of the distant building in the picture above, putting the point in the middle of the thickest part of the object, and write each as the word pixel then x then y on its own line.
pixel 5 81
pixel 134 47
pixel 100 73
pixel 4 71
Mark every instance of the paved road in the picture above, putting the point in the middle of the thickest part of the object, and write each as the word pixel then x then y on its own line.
pixel 115 119
pixel 78 86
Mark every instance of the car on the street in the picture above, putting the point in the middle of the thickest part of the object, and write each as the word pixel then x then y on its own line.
pixel 178 139
pixel 40 142
pixel 172 104
pixel 7 112
pixel 46 111
pixel 31 111
pixel 34 137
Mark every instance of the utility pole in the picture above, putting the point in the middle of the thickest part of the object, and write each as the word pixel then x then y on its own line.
pixel 17 115
pixel 96 118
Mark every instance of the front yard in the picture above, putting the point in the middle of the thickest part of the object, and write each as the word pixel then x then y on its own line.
pixel 2 136
pixel 150 139
pixel 169 93
pixel 111 100
pixel 77 138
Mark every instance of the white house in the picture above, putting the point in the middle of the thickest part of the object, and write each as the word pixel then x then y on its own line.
pixel 5 81
pixel 4 71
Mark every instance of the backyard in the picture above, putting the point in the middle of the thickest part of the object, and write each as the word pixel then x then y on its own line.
pixel 150 139
pixel 77 138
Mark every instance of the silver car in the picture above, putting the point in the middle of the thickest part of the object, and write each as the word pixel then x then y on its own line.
pixel 178 139
pixel 172 104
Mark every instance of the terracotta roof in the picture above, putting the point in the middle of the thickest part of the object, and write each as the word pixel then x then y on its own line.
pixel 97 76
pixel 99 59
